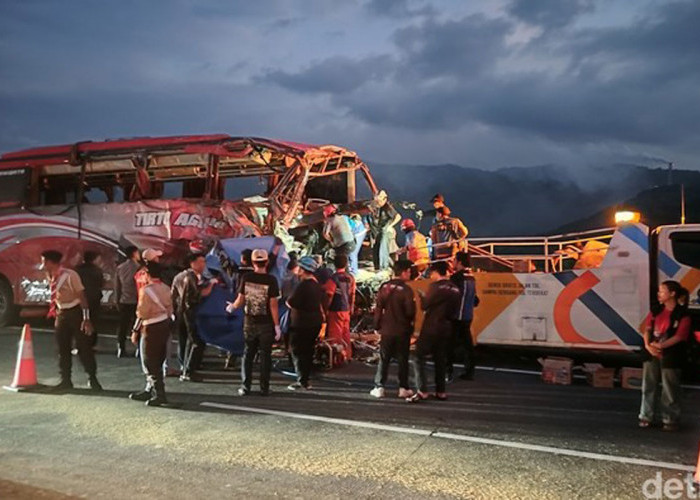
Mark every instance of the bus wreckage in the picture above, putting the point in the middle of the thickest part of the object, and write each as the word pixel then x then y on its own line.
pixel 586 291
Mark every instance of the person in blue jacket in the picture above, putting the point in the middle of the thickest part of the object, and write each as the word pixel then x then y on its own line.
pixel 462 336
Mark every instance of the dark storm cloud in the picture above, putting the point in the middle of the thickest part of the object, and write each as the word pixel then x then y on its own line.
pixel 633 83
pixel 549 13
pixel 398 8
pixel 336 75
pixel 510 79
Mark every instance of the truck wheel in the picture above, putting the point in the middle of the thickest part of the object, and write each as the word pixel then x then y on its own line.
pixel 7 304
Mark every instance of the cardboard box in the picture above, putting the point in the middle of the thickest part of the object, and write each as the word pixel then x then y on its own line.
pixel 557 370
pixel 631 378
pixel 599 376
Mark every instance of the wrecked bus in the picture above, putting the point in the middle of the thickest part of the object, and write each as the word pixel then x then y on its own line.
pixel 170 193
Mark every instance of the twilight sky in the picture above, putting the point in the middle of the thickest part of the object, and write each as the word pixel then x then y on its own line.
pixel 481 83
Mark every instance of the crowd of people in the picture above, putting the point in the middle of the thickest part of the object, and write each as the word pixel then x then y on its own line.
pixel 316 299
pixel 345 235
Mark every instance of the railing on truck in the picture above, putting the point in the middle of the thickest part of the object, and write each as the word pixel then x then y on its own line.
pixel 539 253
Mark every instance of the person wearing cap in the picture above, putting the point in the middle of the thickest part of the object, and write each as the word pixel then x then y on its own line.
pixel 436 201
pixel 141 277
pixel 336 229
pixel 462 341
pixel 187 291
pixel 152 330
pixel 382 219
pixel 258 294
pixel 127 296
pixel 394 315
pixel 306 318
pixel 448 235
pixel 67 301
pixel 416 247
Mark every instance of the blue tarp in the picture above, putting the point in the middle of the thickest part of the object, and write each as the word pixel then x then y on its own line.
pixel 214 325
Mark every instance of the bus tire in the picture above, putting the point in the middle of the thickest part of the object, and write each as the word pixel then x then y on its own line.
pixel 8 311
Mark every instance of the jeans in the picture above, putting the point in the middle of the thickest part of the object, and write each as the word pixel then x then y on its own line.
pixel 154 347
pixel 258 339
pixel 393 347
pixel 67 329
pixel 353 258
pixel 462 346
pixel 188 339
pixel 661 390
pixel 127 318
pixel 303 342
pixel 435 345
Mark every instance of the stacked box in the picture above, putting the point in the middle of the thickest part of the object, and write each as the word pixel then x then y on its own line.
pixel 599 376
pixel 556 370
pixel 631 378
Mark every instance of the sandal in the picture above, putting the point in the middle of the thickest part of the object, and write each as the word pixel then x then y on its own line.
pixel 643 423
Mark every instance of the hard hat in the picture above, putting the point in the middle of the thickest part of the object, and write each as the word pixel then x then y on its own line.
pixel 329 210
pixel 408 224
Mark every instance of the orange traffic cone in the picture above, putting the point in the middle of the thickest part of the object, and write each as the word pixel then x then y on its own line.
pixel 25 371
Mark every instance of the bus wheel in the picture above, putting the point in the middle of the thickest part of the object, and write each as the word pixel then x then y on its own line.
pixel 7 304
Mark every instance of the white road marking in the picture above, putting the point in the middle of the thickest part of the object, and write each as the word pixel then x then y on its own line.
pixel 457 437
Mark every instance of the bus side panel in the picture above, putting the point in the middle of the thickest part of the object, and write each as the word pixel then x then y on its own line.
pixel 601 308
pixel 169 225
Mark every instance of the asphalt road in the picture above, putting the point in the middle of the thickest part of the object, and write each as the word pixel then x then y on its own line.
pixel 503 435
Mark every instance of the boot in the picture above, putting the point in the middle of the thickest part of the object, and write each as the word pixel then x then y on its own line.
pixel 143 395
pixel 157 395
pixel 65 385
pixel 94 385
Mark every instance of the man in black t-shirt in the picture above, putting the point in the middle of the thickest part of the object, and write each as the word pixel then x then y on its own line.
pixel 258 293
pixel 306 319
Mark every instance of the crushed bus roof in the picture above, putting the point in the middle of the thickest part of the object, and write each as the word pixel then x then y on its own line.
pixel 217 144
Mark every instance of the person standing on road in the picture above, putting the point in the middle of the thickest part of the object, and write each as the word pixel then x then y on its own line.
pixel 93 280
pixel 341 302
pixel 152 331
pixel 67 300
pixel 258 293
pixel 462 341
pixel 306 320
pixel 187 291
pixel 667 330
pixel 127 296
pixel 441 305
pixel 394 315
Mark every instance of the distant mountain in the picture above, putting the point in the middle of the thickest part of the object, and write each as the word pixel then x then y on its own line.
pixel 657 206
pixel 533 200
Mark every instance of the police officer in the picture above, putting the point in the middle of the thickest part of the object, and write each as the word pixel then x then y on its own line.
pixel 69 307
pixel 152 331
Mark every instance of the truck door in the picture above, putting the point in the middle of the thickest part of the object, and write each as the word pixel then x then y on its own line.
pixel 678 258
